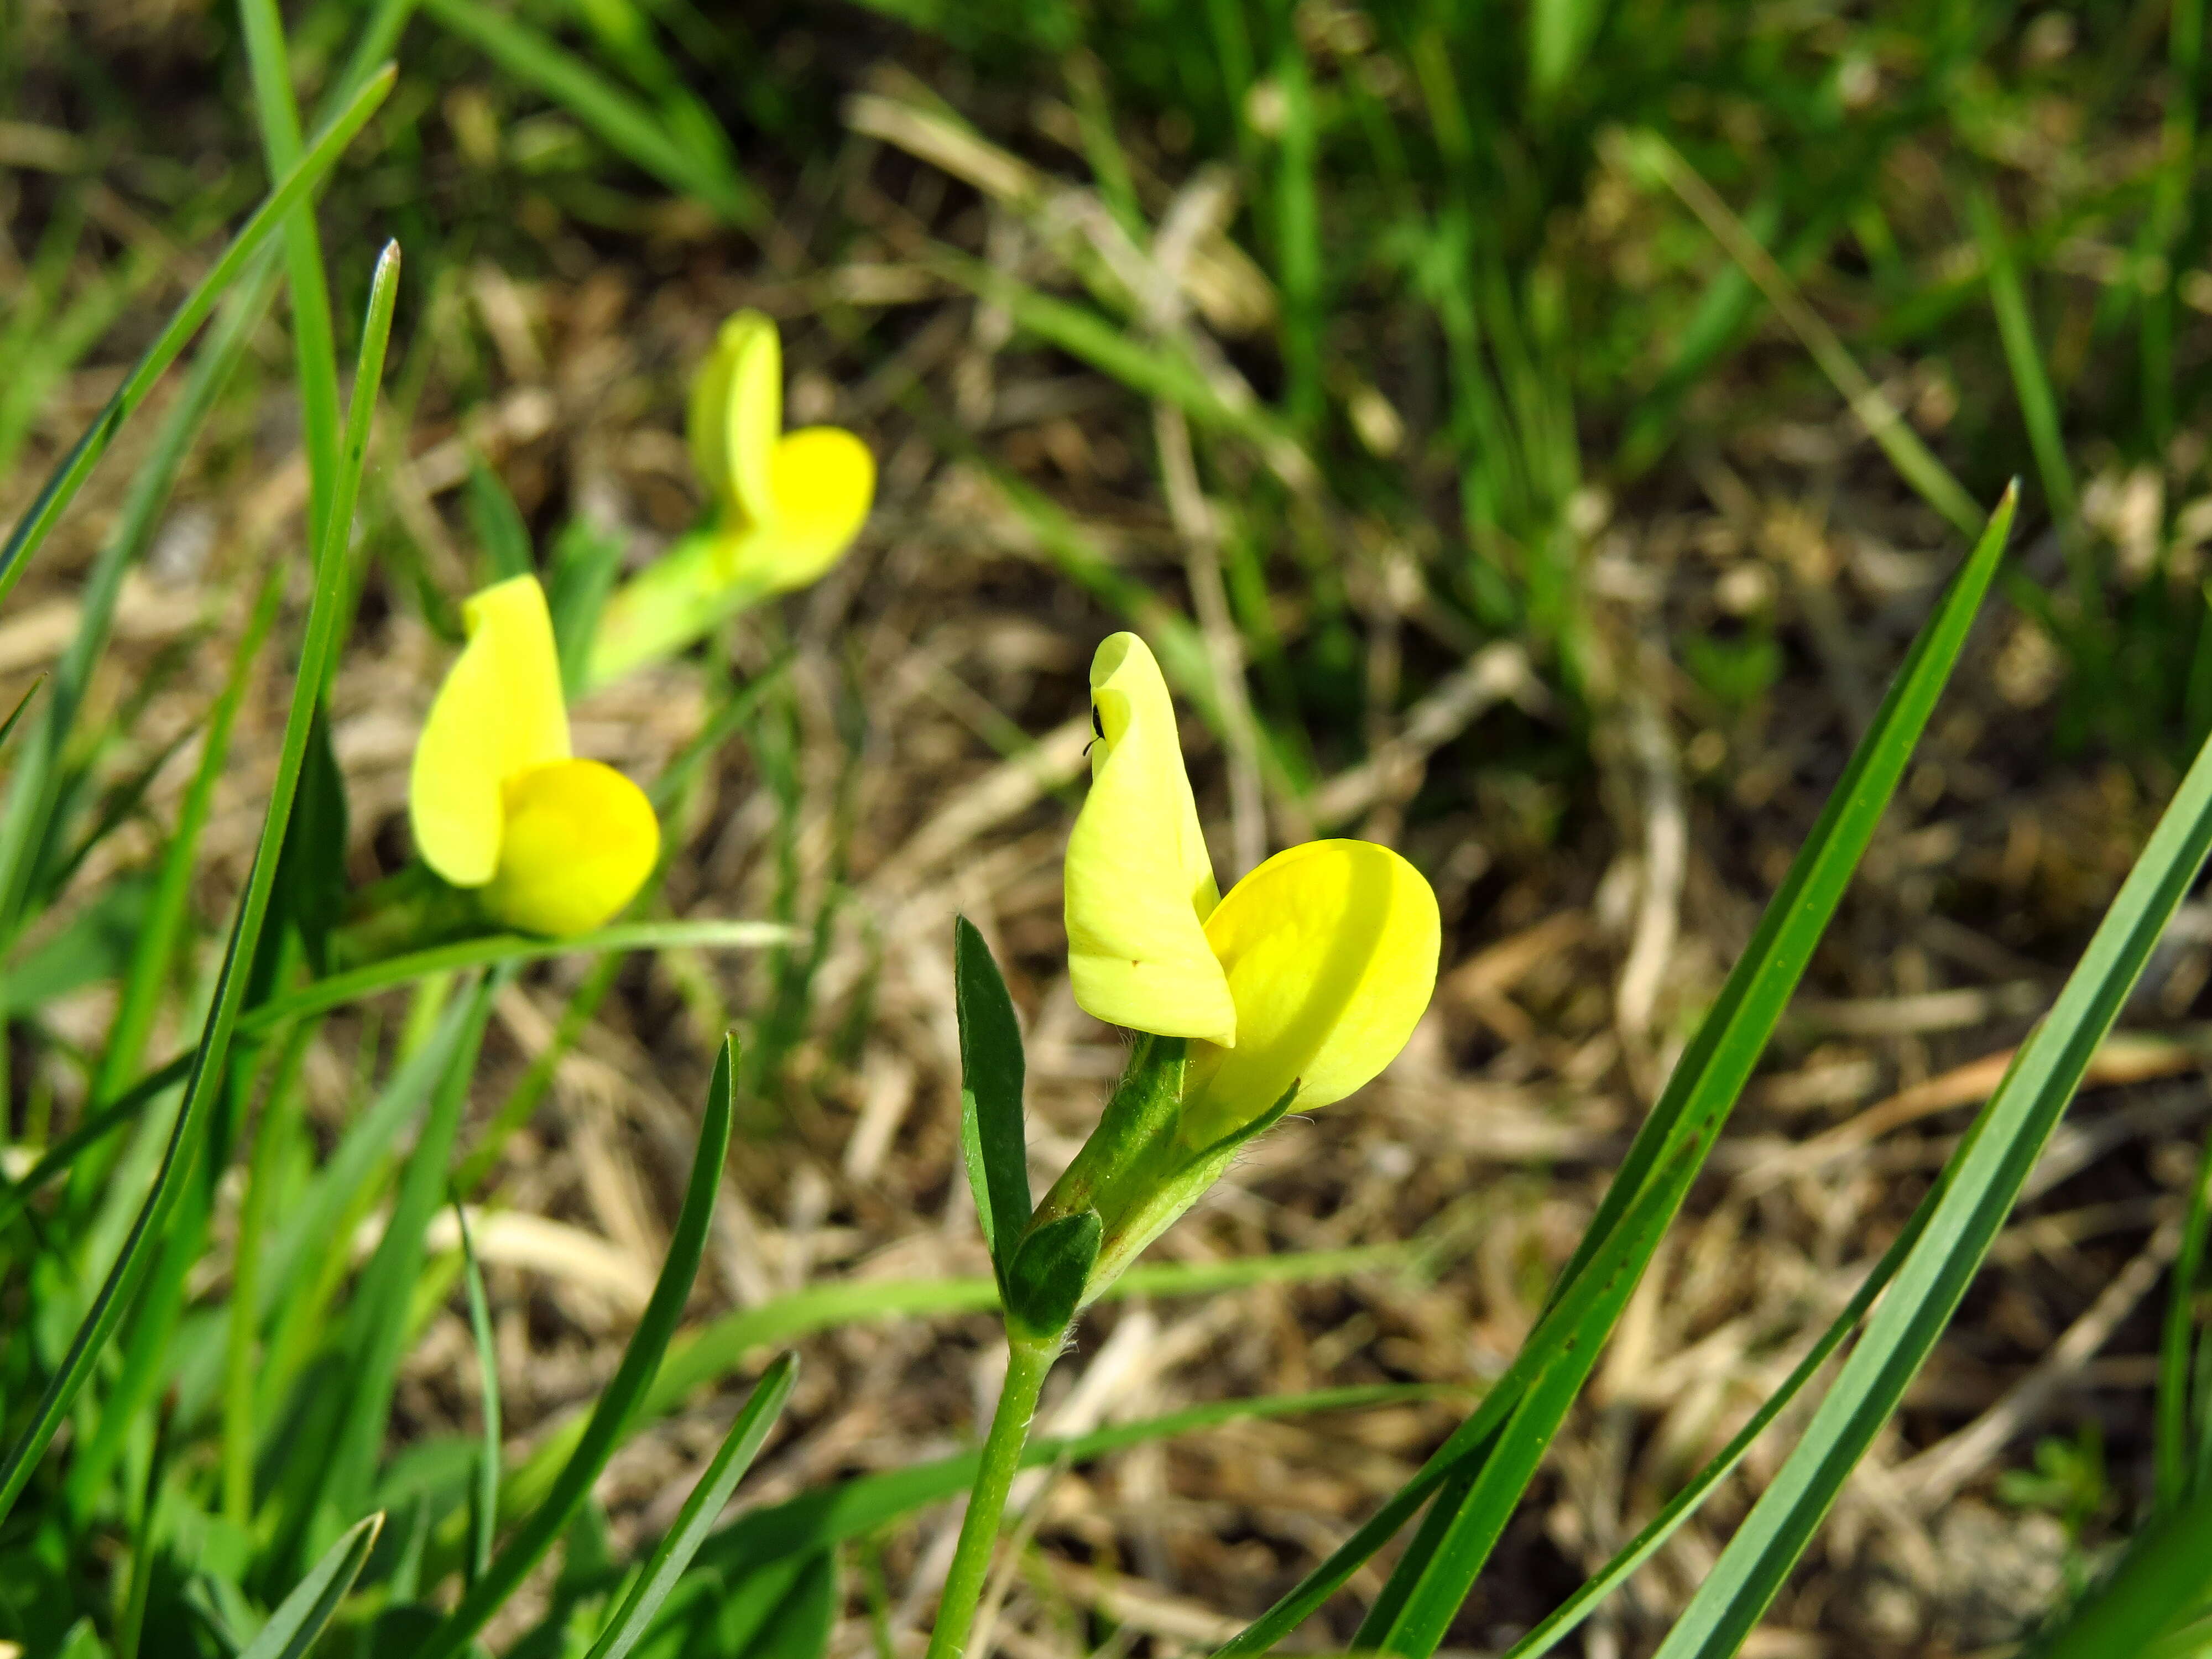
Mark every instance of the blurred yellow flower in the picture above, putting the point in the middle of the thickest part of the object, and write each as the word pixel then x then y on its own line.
pixel 556 845
pixel 786 506
pixel 1312 971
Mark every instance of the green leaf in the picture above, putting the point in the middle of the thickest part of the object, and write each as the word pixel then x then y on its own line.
pixel 1982 1182
pixel 209 1059
pixel 7 726
pixel 61 488
pixel 626 125
pixel 617 1402
pixel 311 875
pixel 582 574
pixel 485 1501
pixel 352 1416
pixel 2161 1579
pixel 992 1140
pixel 831 1513
pixel 672 1556
pixel 494 949
pixel 497 522
pixel 1507 1437
pixel 301 1617
pixel 94 946
pixel 1046 1281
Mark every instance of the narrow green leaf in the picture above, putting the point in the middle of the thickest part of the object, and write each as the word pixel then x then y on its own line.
pixel 154 952
pixel 619 1399
pixel 496 950
pixel 303 1616
pixel 34 789
pixel 485 1518
pixel 497 522
pixel 208 1063
pixel 625 124
pixel 314 342
pixel 2161 1579
pixel 69 475
pixel 1984 1181
pixel 7 726
pixel 342 1462
pixel 720 1346
pixel 672 1555
pixel 992 1139
pixel 829 1514
pixel 2174 1450
pixel 1669 1150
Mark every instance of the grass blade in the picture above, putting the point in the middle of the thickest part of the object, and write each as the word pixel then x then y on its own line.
pixel 486 1500
pixel 2163 1575
pixel 69 476
pixel 209 1062
pixel 1668 1148
pixel 2174 1455
pixel 494 949
pixel 314 345
pixel 1985 1179
pixel 701 1510
pixel 301 1618
pixel 719 1347
pixel 618 1400
pixel 34 791
pixel 7 726
pixel 626 125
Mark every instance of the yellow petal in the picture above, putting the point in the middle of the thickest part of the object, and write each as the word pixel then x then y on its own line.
pixel 1330 949
pixel 498 712
pixel 1138 883
pixel 581 840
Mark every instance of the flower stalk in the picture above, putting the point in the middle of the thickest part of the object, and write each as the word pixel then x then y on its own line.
pixel 1028 1361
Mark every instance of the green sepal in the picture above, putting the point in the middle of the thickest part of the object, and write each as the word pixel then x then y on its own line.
pixel 992 1142
pixel 1050 1271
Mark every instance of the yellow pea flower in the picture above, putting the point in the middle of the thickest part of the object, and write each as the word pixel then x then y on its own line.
pixel 1313 971
pixel 786 505
pixel 497 802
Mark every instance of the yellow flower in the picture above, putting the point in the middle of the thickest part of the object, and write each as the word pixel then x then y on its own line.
pixel 786 506
pixel 555 844
pixel 1313 971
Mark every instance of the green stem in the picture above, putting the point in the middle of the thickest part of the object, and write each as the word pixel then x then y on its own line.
pixel 1028 1361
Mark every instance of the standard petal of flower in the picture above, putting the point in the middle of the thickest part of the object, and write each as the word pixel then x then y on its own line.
pixel 707 419
pixel 1330 949
pixel 582 839
pixel 753 413
pixel 498 712
pixel 1139 883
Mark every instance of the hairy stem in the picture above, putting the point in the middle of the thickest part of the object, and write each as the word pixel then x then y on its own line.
pixel 1028 1361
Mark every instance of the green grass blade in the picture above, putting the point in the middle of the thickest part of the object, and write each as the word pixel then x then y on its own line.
pixel 208 1063
pixel 34 789
pixel 831 1513
pixel 626 125
pixel 1668 1148
pixel 314 343
pixel 2175 1453
pixel 2160 1580
pixel 619 1401
pixel 303 1616
pixel 75 467
pixel 153 952
pixel 1562 1620
pixel 7 726
pixel 498 950
pixel 343 1465
pixel 719 1347
pixel 2039 405
pixel 701 1510
pixel 1984 1180
pixel 485 1501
